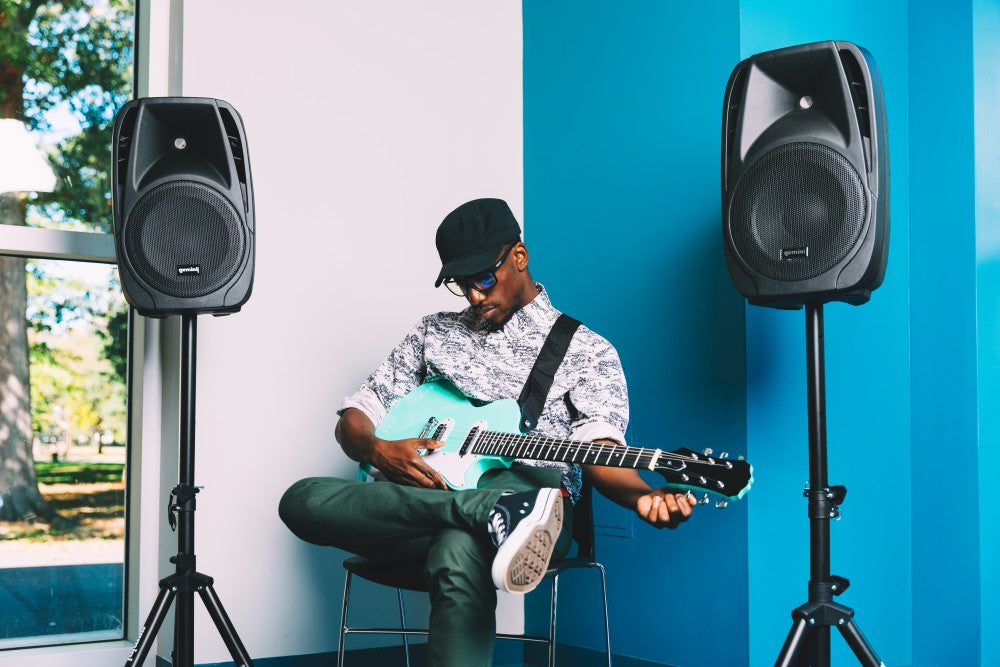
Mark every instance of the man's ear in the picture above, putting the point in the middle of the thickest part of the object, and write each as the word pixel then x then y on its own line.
pixel 520 253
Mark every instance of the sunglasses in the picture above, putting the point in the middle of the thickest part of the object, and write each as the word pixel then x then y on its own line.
pixel 481 282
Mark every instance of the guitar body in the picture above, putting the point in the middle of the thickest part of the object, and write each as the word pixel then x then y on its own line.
pixel 442 401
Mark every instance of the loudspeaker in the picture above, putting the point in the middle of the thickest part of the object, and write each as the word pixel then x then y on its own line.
pixel 182 206
pixel 805 176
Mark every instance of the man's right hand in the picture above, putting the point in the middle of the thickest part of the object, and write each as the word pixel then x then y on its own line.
pixel 400 462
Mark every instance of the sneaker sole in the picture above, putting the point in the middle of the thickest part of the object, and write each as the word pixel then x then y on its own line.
pixel 523 558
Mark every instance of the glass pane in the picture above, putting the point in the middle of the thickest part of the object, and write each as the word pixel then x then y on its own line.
pixel 62 451
pixel 67 68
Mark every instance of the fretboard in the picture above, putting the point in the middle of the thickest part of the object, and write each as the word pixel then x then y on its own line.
pixel 540 448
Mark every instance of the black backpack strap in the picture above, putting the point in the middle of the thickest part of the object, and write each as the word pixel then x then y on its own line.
pixel 536 389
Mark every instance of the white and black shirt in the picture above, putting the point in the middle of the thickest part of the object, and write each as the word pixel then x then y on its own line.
pixel 588 399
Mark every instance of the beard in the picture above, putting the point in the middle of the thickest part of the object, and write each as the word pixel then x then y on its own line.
pixel 498 316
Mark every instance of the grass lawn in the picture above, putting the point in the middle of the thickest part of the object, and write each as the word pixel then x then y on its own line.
pixel 90 495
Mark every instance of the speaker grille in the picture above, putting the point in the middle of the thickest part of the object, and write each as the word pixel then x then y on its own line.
pixel 797 211
pixel 184 239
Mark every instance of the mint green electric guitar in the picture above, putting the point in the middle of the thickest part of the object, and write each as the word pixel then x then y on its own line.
pixel 477 439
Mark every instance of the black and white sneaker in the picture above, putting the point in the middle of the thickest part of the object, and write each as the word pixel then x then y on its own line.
pixel 524 527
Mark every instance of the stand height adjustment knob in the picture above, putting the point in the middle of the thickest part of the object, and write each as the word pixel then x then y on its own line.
pixel 838 584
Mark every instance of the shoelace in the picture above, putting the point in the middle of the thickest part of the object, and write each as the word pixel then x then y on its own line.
pixel 498 527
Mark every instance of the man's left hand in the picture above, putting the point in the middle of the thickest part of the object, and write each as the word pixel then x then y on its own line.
pixel 665 507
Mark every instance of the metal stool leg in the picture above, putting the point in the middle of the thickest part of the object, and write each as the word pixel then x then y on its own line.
pixel 607 627
pixel 552 621
pixel 402 624
pixel 343 620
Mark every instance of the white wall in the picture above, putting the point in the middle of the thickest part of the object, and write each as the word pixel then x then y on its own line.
pixel 367 122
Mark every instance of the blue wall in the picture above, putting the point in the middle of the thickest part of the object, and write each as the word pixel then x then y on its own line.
pixel 943 335
pixel 622 106
pixel 986 28
pixel 622 118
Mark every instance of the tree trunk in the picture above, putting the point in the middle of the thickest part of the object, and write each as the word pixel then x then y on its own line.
pixel 18 483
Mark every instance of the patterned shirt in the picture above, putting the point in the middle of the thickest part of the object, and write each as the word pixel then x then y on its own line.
pixel 588 399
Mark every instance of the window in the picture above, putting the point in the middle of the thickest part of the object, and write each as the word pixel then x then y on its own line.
pixel 65 69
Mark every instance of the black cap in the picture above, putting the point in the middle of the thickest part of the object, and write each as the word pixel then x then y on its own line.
pixel 470 238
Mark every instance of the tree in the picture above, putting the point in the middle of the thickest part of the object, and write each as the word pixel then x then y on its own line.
pixel 74 55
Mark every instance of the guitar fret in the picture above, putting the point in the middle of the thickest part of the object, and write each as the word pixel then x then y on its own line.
pixel 523 447
pixel 549 449
pixel 497 442
pixel 530 445
pixel 527 446
pixel 482 445
pixel 511 443
pixel 613 453
pixel 638 454
pixel 563 451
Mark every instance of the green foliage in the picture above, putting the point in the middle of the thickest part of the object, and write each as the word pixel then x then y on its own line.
pixel 74 57
pixel 78 336
pixel 116 344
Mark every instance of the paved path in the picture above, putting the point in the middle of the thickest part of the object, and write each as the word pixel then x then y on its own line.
pixel 60 599
pixel 22 553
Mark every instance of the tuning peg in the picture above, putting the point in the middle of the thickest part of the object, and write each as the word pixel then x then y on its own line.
pixel 741 458
pixel 724 455
pixel 707 451
pixel 721 504
pixel 703 500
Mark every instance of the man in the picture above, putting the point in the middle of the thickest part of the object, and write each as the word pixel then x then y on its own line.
pixel 502 534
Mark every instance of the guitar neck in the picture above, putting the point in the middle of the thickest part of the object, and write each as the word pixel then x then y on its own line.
pixel 540 448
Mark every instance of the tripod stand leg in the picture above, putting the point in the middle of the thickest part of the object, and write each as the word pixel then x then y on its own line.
pixel 793 644
pixel 862 649
pixel 225 627
pixel 152 625
pixel 821 647
pixel 184 630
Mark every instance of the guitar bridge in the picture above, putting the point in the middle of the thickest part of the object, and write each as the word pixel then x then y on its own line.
pixel 428 427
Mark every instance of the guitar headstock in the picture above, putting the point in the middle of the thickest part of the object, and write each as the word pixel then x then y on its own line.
pixel 718 475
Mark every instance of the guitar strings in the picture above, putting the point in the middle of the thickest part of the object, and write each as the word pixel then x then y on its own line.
pixel 527 442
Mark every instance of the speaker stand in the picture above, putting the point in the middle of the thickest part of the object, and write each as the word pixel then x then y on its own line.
pixel 808 642
pixel 183 584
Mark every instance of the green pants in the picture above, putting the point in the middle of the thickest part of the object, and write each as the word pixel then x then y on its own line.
pixel 444 529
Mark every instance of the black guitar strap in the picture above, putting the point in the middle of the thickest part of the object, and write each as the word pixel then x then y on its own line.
pixel 536 389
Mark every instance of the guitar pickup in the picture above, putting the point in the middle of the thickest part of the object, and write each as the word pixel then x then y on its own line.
pixel 443 430
pixel 435 430
pixel 473 436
